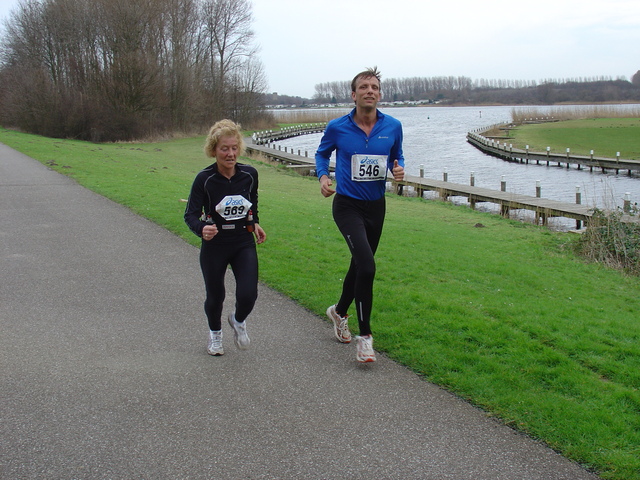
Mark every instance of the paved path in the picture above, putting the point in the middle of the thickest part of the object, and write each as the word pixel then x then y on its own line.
pixel 105 375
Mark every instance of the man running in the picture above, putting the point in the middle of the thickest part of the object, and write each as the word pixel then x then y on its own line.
pixel 367 144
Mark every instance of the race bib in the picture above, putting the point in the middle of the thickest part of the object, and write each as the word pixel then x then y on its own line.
pixel 233 207
pixel 367 168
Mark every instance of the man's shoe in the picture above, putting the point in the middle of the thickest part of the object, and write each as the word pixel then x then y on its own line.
pixel 215 343
pixel 240 336
pixel 364 349
pixel 340 325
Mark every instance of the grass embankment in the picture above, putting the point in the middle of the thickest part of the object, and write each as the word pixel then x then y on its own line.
pixel 605 136
pixel 499 312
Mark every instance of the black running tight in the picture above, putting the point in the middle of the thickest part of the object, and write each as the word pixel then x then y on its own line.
pixel 243 259
pixel 360 222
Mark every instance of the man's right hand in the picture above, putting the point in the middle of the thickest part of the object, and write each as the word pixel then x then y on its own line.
pixel 325 186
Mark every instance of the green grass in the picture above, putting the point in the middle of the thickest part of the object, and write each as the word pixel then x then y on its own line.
pixel 605 136
pixel 503 314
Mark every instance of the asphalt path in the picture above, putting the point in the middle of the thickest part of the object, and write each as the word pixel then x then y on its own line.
pixel 105 373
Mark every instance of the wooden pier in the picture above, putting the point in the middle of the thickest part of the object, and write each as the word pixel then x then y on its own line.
pixel 544 209
pixel 303 164
pixel 492 146
pixel 266 137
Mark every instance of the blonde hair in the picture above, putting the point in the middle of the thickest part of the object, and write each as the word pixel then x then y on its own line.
pixel 223 128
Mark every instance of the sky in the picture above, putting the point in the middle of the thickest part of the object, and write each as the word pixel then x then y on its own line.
pixel 303 43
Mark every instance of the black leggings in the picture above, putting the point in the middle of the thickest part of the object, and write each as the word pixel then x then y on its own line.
pixel 360 222
pixel 243 259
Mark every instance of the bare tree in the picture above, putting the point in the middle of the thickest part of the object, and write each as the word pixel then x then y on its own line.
pixel 249 83
pixel 115 69
pixel 228 37
pixel 179 58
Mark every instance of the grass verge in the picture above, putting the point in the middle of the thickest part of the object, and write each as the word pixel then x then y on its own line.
pixel 605 136
pixel 499 312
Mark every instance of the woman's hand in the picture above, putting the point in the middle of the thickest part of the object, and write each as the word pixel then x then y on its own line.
pixel 209 231
pixel 259 233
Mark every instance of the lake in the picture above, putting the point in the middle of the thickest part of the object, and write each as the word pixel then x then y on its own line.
pixel 435 137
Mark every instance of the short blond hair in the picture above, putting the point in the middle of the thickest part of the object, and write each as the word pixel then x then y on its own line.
pixel 223 128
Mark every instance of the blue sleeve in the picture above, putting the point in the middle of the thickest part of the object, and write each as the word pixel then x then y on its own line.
pixel 324 151
pixel 396 150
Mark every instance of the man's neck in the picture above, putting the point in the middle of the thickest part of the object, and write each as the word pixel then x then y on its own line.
pixel 366 118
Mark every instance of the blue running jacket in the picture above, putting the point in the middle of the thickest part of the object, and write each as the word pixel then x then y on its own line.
pixel 353 147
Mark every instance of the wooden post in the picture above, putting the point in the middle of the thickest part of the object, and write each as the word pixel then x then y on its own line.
pixel 548 150
pixel 578 202
pixel 472 199
pixel 543 216
pixel 504 209
pixel 627 203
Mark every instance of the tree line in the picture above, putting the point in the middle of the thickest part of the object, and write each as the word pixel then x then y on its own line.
pixel 106 70
pixel 464 90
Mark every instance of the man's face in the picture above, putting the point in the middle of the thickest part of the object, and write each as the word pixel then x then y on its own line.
pixel 367 92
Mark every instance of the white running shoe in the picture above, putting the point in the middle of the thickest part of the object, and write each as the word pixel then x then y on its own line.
pixel 239 332
pixel 340 325
pixel 215 343
pixel 364 349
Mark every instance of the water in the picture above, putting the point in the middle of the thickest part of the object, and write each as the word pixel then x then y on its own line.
pixel 435 137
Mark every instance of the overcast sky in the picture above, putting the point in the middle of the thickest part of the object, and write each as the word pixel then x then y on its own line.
pixel 303 43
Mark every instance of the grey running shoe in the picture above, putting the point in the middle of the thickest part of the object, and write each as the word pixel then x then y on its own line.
pixel 364 349
pixel 240 332
pixel 340 325
pixel 215 343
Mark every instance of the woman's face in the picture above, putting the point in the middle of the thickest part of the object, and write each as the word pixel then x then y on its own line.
pixel 227 152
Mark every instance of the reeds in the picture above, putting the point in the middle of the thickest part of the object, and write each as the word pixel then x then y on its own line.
pixel 611 241
pixel 521 115
pixel 308 115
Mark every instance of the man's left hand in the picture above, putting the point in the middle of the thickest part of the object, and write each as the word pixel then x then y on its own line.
pixel 397 171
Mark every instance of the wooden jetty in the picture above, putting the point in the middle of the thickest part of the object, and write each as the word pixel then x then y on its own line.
pixel 302 164
pixel 493 146
pixel 544 209
pixel 266 137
